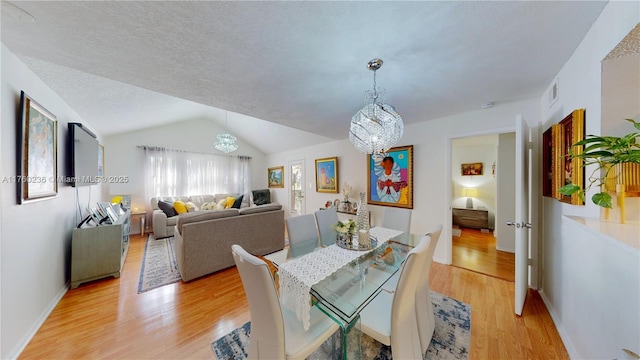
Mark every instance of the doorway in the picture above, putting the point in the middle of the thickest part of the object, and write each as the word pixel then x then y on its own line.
pixel 296 191
pixel 483 186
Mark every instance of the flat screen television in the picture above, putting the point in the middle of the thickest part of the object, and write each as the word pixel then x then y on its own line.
pixel 83 156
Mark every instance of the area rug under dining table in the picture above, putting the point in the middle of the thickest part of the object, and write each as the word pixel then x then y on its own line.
pixel 451 339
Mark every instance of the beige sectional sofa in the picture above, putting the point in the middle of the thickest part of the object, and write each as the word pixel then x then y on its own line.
pixel 163 226
pixel 203 239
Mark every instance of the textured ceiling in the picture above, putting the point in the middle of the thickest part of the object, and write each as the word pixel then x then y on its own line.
pixel 298 64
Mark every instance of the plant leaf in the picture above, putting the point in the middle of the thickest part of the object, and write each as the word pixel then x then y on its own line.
pixel 569 189
pixel 635 123
pixel 602 199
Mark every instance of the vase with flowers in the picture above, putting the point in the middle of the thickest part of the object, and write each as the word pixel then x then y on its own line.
pixel 345 229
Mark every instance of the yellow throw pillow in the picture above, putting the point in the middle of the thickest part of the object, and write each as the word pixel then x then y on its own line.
pixel 230 200
pixel 180 207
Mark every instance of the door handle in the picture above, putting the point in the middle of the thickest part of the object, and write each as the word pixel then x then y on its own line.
pixel 511 223
pixel 526 225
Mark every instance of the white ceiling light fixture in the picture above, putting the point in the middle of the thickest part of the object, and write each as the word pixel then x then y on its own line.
pixel 226 142
pixel 377 126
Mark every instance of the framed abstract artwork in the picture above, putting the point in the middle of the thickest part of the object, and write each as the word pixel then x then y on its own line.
pixel 472 169
pixel 275 177
pixel 572 170
pixel 390 177
pixel 37 163
pixel 327 175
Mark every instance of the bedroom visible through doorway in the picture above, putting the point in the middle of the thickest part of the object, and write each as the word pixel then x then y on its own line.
pixel 483 186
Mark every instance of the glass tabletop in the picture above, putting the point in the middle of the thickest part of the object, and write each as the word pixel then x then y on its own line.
pixel 346 292
pixel 343 294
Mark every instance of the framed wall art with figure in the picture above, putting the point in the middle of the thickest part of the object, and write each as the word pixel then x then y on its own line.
pixel 390 177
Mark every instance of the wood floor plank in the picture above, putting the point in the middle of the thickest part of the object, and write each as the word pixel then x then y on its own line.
pixel 476 251
pixel 108 319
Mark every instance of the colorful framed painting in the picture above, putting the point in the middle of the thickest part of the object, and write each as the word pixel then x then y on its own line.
pixel 390 177
pixel 37 165
pixel 327 175
pixel 100 160
pixel 275 177
pixel 572 171
pixel 472 169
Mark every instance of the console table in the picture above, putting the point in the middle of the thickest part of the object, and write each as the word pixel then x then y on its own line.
pixel 471 218
pixel 99 251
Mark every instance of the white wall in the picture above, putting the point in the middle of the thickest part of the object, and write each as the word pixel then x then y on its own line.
pixel 506 183
pixel 432 164
pixel 578 276
pixel 122 157
pixel 463 153
pixel 35 247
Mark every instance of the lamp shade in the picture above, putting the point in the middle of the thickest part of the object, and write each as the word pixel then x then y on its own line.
pixel 470 192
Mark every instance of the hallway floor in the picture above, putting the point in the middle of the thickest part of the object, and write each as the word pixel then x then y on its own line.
pixel 476 251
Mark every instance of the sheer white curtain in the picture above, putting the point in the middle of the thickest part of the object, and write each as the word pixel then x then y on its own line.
pixel 182 173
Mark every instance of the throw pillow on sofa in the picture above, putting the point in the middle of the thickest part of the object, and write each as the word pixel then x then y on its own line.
pixel 180 207
pixel 261 197
pixel 220 204
pixel 238 202
pixel 208 206
pixel 230 200
pixel 191 207
pixel 167 208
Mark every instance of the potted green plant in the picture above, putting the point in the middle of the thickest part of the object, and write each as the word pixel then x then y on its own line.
pixel 606 152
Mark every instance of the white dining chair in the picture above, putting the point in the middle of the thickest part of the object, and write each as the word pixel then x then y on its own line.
pixel 424 306
pixel 397 219
pixel 326 219
pixel 302 233
pixel 391 284
pixel 390 318
pixel 276 333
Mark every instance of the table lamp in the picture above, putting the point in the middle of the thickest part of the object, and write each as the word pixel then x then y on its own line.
pixel 470 193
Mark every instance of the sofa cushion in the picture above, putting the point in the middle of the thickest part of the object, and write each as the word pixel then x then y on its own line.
pixel 261 197
pixel 167 208
pixel 172 221
pixel 203 216
pixel 238 202
pixel 180 207
pixel 260 208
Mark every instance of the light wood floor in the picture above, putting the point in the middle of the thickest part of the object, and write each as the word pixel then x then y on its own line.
pixel 108 319
pixel 476 251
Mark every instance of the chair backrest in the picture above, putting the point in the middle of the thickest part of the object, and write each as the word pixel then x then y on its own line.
pixel 326 219
pixel 405 341
pixel 302 231
pixel 424 307
pixel 267 324
pixel 397 219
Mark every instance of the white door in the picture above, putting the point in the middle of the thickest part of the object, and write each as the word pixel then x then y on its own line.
pixel 522 221
pixel 296 190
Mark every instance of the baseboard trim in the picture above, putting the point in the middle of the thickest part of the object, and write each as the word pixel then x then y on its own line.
pixel 568 344
pixel 441 261
pixel 36 326
pixel 509 250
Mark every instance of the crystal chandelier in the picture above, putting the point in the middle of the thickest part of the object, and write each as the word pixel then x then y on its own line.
pixel 377 126
pixel 226 142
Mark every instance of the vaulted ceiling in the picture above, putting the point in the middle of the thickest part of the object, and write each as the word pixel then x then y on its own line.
pixel 131 65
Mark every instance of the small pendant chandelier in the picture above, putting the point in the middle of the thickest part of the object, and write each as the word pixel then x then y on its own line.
pixel 377 126
pixel 226 142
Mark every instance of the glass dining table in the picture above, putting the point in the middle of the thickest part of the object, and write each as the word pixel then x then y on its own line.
pixel 345 291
